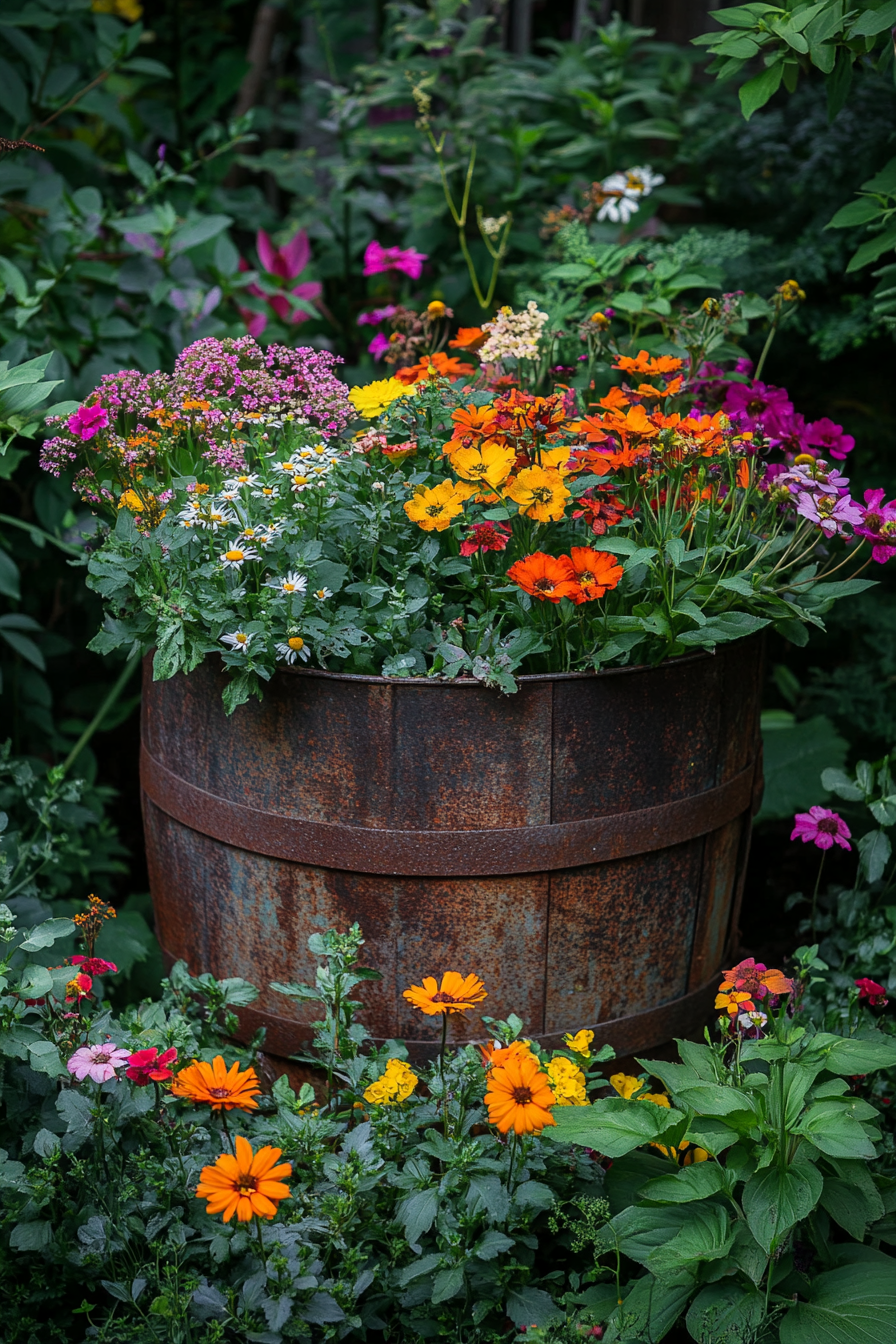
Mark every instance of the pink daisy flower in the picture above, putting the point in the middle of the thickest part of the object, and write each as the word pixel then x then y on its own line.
pixel 821 827
pixel 98 1062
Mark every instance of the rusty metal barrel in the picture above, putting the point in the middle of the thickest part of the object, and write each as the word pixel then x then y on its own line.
pixel 580 845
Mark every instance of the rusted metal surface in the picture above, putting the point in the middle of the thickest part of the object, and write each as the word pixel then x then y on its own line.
pixel 577 844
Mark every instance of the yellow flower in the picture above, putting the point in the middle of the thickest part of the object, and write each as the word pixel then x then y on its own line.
pixel 567 1082
pixel 433 508
pixel 540 494
pixel 555 459
pixel 580 1044
pixel 490 463
pixel 626 1085
pixel 395 1085
pixel 124 9
pixel 372 400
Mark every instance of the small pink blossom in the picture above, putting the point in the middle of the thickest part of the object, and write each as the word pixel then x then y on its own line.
pixel 97 1062
pixel 375 316
pixel 88 420
pixel 379 345
pixel 405 259
pixel 821 827
pixel 830 438
pixel 878 525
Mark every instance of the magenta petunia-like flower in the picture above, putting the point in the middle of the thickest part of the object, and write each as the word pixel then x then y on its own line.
pixel 94 965
pixel 97 1062
pixel 754 404
pixel 873 993
pixel 379 345
pixel 405 259
pixel 821 827
pixel 374 316
pixel 878 525
pixel 830 438
pixel 87 421
pixel 148 1066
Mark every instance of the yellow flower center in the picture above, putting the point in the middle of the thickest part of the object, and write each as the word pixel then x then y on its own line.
pixel 296 643
pixel 248 1185
pixel 234 555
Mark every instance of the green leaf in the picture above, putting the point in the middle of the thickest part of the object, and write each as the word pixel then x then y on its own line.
pixel 874 248
pixel 46 934
pixel 839 82
pixel 417 1213
pixel 874 852
pixel 651 1308
pixel 874 21
pixel 721 629
pixel 725 1311
pixel 612 1126
pixel 839 782
pixel 774 1201
pixel 707 1235
pixel 199 231
pixel 758 90
pixel 44 1057
pixel 447 1284
pixel 794 756
pixel 831 1128
pixel 855 1304
pixel 847 1206
pixel 860 211
pixel 698 1181
pixel 850 1055
pixel 31 1236
pixel 532 1306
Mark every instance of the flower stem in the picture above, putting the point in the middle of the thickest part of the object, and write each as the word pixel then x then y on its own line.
pixel 815 892
pixel 264 1258
pixel 442 1071
pixel 227 1132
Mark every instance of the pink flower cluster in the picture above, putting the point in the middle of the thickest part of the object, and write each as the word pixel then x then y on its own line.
pixel 761 406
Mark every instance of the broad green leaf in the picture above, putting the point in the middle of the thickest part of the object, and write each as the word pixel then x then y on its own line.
pixel 758 90
pixel 698 1181
pixel 652 1308
pixel 870 22
pixel 874 248
pixel 723 1311
pixel 613 1126
pixel 46 934
pixel 794 756
pixel 849 1055
pixel 855 1304
pixel 831 1128
pixel 532 1306
pixel 417 1213
pixel 707 1235
pixel 847 1206
pixel 860 211
pixel 874 850
pixel 774 1201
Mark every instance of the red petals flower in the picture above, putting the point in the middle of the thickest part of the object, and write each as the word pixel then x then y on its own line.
pixel 821 827
pixel 873 993
pixel 754 978
pixel 545 576
pixel 148 1066
pixel 485 537
pixel 78 988
pixel 94 965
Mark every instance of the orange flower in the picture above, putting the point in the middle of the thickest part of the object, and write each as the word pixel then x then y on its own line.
pixel 468 338
pixel 476 421
pixel 246 1184
pixel 743 473
pixel 644 364
pixel 438 365
pixel 493 1053
pixel 755 979
pixel 545 576
pixel 217 1086
pixel 454 995
pixel 596 572
pixel 519 1096
pixel 735 1002
pixel 540 493
pixel 670 390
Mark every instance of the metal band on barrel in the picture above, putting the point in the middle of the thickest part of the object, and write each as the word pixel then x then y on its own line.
pixel 473 853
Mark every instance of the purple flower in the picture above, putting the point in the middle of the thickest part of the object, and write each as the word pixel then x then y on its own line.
pixel 821 827
pixel 405 259
pixel 145 243
pixel 98 1062
pixel 788 432
pixel 817 480
pixel 87 421
pixel 752 404
pixel 827 512
pixel 162 151
pixel 830 438
pixel 379 345
pixel 878 524
pixel 376 315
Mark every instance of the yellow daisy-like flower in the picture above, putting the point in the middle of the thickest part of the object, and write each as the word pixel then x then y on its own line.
pixel 489 463
pixel 555 459
pixel 372 400
pixel 540 494
pixel 433 508
pixel 395 1085
pixel 580 1043
pixel 567 1082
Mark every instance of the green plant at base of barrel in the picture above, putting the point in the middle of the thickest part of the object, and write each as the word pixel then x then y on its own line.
pixel 735 1241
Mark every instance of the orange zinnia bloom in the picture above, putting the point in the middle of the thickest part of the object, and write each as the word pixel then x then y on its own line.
pixel 454 995
pixel 743 473
pixel 493 1053
pixel 519 1096
pixel 596 572
pixel 644 364
pixel 468 338
pixel 246 1185
pixel 670 390
pixel 438 365
pixel 217 1086
pixel 473 420
pixel 547 577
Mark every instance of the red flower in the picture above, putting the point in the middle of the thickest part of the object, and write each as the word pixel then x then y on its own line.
pixel 601 513
pixel 78 988
pixel 148 1066
pixel 754 978
pixel 485 537
pixel 872 992
pixel 94 965
pixel 545 576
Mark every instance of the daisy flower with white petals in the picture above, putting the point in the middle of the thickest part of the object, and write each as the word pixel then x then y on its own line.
pixel 239 641
pixel 237 482
pixel 322 594
pixel 292 583
pixel 237 556
pixel 264 492
pixel 212 518
pixel 300 483
pixel 294 648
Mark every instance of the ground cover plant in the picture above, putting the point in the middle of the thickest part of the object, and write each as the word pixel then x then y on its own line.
pixel 152 1189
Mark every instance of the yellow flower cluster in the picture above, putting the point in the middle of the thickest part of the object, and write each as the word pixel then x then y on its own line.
pixel 395 1085
pixel 567 1082
pixel 580 1043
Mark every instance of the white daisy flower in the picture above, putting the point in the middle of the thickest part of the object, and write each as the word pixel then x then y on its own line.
pixel 239 641
pixel 293 648
pixel 249 534
pixel 264 492
pixel 322 594
pixel 292 583
pixel 229 496
pixel 237 556
pixel 213 518
pixel 300 483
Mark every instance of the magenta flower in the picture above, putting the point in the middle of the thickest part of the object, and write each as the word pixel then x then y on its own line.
pixel 98 1062
pixel 148 1066
pixel 379 345
pixel 822 828
pixel 828 513
pixel 830 438
pixel 879 525
pixel 376 315
pixel 405 259
pixel 872 992
pixel 94 965
pixel 87 421
pixel 285 263
pixel 751 404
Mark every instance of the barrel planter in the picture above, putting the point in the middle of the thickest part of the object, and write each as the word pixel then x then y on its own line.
pixel 581 844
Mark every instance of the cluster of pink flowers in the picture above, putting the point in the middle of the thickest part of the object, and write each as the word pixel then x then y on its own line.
pixel 761 406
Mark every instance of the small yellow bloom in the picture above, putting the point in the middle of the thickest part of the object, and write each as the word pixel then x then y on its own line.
pixel 556 459
pixel 131 10
pixel 489 464
pixel 580 1043
pixel 567 1082
pixel 395 1085
pixel 540 494
pixel 625 1085
pixel 372 400
pixel 436 309
pixel 433 508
